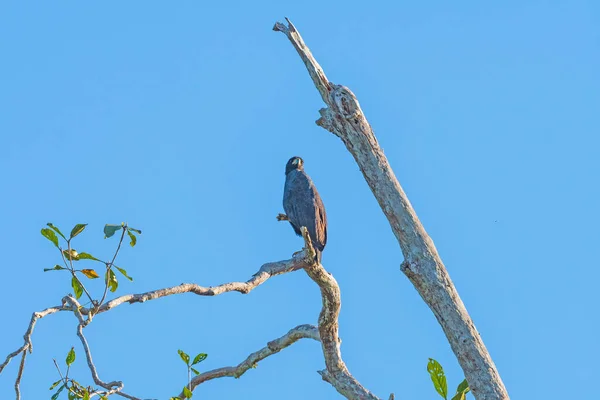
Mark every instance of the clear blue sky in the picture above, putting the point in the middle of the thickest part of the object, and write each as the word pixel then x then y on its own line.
pixel 179 118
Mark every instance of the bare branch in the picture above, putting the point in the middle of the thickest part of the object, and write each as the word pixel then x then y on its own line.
pixel 422 264
pixel 273 347
pixel 265 272
pixel 28 346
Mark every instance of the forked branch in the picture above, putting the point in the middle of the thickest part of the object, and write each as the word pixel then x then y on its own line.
pixel 266 271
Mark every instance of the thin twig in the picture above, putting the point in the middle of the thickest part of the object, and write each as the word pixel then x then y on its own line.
pixel 20 375
pixel 72 269
pixel 62 378
pixel 108 267
pixel 27 337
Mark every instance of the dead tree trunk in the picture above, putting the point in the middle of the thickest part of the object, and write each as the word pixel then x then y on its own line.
pixel 422 264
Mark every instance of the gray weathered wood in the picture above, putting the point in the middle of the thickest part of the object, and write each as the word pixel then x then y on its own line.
pixel 422 264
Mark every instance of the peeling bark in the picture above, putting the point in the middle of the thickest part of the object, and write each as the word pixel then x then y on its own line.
pixel 422 264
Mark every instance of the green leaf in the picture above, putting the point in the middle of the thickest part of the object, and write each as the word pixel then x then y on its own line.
pixel 55 384
pixel 199 358
pixel 195 371
pixel 462 390
pixel 71 255
pixel 77 287
pixel 50 235
pixel 112 281
pixel 55 395
pixel 184 356
pixel 122 271
pixel 135 230
pixel 86 395
pixel 87 256
pixel 77 229
pixel 56 268
pixel 187 392
pixel 436 372
pixel 70 357
pixel 56 230
pixel 463 387
pixel 90 273
pixel 110 230
pixel 132 237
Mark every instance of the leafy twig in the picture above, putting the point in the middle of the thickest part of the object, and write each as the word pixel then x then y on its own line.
pixel 108 268
pixel 187 389
pixel 72 269
pixel 273 347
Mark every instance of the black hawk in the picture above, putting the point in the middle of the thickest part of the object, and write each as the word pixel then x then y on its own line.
pixel 303 205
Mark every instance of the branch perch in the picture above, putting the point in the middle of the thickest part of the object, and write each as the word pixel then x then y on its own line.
pixel 265 272
pixel 422 265
pixel 337 373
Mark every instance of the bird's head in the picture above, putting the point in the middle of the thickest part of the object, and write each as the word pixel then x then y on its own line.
pixel 294 163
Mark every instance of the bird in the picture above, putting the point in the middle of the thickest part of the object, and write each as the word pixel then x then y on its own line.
pixel 303 205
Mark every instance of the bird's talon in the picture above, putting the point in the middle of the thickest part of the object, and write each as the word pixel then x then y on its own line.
pixel 282 217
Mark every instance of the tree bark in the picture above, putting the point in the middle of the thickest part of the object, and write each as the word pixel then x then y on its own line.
pixel 422 264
